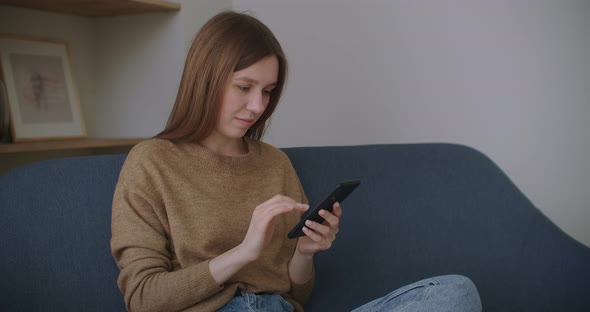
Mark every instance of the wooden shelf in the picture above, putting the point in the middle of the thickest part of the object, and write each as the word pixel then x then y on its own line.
pixel 96 8
pixel 65 145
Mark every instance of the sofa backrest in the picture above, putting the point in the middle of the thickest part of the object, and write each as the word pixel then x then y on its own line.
pixel 55 229
pixel 421 210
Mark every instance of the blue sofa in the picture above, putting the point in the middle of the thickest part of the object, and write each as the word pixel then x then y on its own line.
pixel 421 210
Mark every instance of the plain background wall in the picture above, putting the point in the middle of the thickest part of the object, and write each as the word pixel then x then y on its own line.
pixel 139 65
pixel 510 78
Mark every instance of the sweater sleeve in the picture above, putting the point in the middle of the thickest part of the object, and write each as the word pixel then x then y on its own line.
pixel 141 249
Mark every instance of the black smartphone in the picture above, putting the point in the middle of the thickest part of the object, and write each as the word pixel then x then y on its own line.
pixel 339 194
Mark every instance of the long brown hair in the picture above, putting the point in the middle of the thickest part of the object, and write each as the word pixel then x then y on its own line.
pixel 228 42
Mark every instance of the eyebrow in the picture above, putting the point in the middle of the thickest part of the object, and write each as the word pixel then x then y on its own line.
pixel 254 81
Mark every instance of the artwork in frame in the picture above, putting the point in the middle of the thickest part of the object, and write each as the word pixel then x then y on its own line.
pixel 42 97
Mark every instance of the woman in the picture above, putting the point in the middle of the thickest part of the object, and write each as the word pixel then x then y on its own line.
pixel 202 211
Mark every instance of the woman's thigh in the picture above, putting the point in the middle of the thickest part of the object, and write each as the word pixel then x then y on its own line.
pixel 248 302
pixel 443 293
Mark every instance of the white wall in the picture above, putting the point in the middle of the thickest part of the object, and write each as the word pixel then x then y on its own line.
pixel 139 62
pixel 510 78
pixel 139 65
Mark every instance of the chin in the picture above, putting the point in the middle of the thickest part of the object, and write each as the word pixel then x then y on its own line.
pixel 236 134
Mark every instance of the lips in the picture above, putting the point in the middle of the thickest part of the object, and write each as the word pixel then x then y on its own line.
pixel 246 122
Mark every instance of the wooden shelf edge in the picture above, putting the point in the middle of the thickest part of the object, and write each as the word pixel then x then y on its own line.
pixel 12 148
pixel 162 4
pixel 97 8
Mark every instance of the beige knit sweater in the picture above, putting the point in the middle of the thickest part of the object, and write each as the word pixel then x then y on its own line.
pixel 177 206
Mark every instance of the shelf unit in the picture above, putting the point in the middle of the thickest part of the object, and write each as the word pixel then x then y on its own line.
pixel 17 154
pixel 31 147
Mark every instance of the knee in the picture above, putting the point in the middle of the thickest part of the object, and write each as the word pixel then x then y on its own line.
pixel 458 281
pixel 462 290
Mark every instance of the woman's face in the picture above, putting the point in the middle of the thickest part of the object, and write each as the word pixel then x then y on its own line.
pixel 245 97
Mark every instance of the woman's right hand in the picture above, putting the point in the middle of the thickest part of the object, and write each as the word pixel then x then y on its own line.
pixel 259 233
pixel 262 224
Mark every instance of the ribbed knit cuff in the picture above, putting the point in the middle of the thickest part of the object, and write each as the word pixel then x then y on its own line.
pixel 200 282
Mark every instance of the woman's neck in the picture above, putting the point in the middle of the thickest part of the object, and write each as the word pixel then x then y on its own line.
pixel 237 147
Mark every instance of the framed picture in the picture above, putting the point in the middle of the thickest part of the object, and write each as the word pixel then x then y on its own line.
pixel 42 96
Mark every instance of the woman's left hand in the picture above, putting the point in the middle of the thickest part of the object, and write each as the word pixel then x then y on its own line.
pixel 320 236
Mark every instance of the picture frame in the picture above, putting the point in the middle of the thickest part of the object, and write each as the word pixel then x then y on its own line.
pixel 41 90
pixel 5 136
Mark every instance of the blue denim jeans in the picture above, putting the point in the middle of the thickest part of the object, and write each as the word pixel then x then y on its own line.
pixel 454 293
pixel 248 302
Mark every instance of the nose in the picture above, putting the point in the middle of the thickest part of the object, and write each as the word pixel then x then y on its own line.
pixel 256 103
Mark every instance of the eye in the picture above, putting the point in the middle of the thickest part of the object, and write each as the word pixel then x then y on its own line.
pixel 243 88
pixel 267 91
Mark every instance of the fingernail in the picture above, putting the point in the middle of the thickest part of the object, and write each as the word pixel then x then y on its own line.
pixel 308 222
